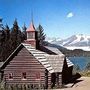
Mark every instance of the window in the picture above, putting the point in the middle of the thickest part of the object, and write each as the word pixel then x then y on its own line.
pixel 24 75
pixel 37 75
pixel 31 35
pixel 10 75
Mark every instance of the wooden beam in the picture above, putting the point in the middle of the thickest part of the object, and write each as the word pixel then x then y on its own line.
pixel 46 79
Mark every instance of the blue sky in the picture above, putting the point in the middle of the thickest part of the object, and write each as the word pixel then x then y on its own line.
pixel 59 18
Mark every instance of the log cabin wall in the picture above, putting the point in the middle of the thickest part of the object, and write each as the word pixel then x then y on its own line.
pixel 0 76
pixel 49 80
pixel 66 73
pixel 24 62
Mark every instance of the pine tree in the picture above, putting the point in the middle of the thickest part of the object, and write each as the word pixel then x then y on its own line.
pixel 2 40
pixel 7 33
pixel 16 35
pixel 41 35
pixel 2 34
pixel 24 32
pixel 1 24
pixel 7 44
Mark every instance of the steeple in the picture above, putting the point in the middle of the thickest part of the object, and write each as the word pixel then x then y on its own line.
pixel 31 27
pixel 31 39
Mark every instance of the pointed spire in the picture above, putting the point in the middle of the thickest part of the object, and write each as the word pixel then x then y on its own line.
pixel 31 33
pixel 32 17
pixel 31 27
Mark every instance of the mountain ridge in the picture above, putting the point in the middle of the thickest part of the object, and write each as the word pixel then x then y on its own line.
pixel 79 41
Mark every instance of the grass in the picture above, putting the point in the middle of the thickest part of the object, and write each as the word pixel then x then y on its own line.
pixel 85 73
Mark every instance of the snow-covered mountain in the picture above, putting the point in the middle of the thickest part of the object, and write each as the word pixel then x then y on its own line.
pixel 77 40
pixel 74 42
pixel 53 40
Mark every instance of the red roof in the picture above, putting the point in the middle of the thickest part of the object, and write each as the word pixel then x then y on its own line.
pixel 31 28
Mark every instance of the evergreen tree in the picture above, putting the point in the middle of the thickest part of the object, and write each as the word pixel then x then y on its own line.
pixel 41 35
pixel 2 34
pixel 7 45
pixel 1 24
pixel 16 35
pixel 7 33
pixel 24 32
pixel 2 40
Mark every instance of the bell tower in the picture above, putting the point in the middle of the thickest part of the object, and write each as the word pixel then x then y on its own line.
pixel 31 37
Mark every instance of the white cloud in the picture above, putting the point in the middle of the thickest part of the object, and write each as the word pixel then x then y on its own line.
pixel 69 15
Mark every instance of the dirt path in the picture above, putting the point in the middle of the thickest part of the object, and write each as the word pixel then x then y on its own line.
pixel 84 84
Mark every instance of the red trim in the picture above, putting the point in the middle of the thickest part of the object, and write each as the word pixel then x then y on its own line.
pixel 30 31
pixel 10 76
pixel 24 76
